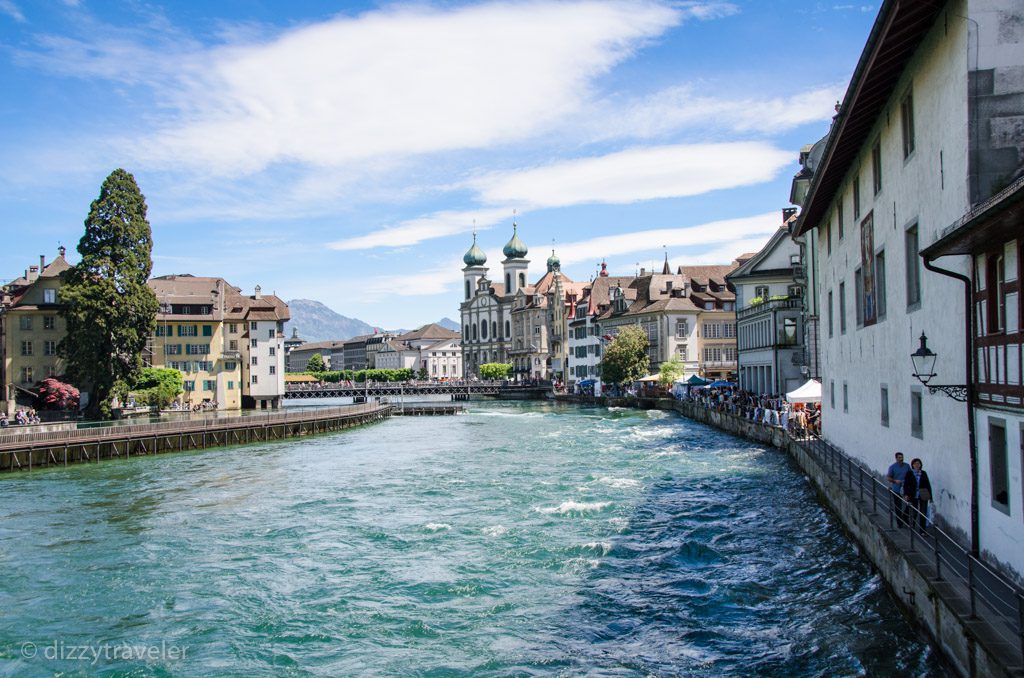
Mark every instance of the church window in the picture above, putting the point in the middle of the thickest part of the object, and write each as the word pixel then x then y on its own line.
pixel 508 329
pixel 467 289
pixel 483 329
pixel 522 280
pixel 494 329
pixel 508 282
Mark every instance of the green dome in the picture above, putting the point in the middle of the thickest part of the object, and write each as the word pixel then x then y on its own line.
pixel 475 256
pixel 553 261
pixel 515 248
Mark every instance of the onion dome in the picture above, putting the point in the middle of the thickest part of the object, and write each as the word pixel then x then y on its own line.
pixel 554 262
pixel 515 248
pixel 475 256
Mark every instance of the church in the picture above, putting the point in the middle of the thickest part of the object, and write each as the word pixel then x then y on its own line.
pixel 513 321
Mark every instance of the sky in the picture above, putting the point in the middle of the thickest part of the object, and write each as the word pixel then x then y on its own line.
pixel 344 152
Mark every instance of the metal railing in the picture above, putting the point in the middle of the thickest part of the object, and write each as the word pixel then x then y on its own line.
pixel 991 596
pixel 20 441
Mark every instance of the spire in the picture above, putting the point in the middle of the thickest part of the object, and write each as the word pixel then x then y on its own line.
pixel 604 269
pixel 515 248
pixel 666 269
pixel 554 263
pixel 474 256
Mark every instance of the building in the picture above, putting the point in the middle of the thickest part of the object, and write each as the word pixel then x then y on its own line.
pixel 586 344
pixel 298 358
pixel 229 347
pixel 928 130
pixel 430 350
pixel 769 301
pixel 291 343
pixel 375 343
pixel 31 327
pixel 992 236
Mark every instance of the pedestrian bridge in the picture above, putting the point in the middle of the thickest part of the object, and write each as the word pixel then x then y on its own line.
pixel 457 390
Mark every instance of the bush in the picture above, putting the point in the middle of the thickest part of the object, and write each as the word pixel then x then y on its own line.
pixel 495 370
pixel 54 394
pixel 158 386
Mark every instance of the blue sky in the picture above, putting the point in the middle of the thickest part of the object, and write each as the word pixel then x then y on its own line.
pixel 342 151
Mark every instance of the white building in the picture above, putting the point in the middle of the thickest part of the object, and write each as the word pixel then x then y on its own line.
pixel 902 163
pixel 264 354
pixel 768 320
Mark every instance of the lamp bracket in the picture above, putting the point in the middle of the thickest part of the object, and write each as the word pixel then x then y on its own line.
pixel 957 392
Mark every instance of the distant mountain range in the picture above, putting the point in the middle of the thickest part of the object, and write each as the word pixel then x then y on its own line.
pixel 316 322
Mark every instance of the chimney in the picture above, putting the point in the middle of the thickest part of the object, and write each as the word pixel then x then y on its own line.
pixel 258 290
pixel 787 212
pixel 643 272
pixel 42 263
pixel 32 273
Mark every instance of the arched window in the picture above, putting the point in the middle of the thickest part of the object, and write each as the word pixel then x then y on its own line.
pixel 522 280
pixel 483 329
pixel 494 329
pixel 474 332
pixel 508 282
pixel 467 288
pixel 508 329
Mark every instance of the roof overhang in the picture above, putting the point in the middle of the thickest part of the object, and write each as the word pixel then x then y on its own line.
pixel 898 31
pixel 993 222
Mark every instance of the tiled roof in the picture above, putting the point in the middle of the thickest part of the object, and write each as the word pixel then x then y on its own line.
pixel 431 331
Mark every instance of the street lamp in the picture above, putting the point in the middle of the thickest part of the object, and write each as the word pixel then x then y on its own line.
pixel 924 369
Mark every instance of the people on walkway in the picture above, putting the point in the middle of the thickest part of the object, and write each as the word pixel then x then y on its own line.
pixel 917 490
pixel 895 476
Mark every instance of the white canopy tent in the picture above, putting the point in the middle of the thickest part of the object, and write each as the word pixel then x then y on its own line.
pixel 808 393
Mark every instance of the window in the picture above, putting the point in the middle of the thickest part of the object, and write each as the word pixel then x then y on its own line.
pixel 995 306
pixel 189 385
pixel 233 328
pixel 858 296
pixel 255 361
pixel 842 308
pixel 831 315
pixel 230 366
pixel 999 465
pixel 49 322
pixel 681 350
pixel 880 284
pixel 913 267
pixel 209 384
pixel 483 329
pixel 271 333
pixel 26 348
pixel 682 329
pixel 25 322
pixel 789 332
pixel 273 369
pixel 50 296
pixel 231 385
pixel 273 351
pixel 846 397
pixel 761 291
pixel 916 413
pixel 832 393
pixel 160 331
pixel 49 347
pixel 907 123
pixel 255 379
pixel 885 405
pixel 522 280
pixel 253 343
pixel 508 329
pixel 494 329
pixel 856 198
pixel 840 217
pixel 188 330
pixel 26 375
pixel 253 326
pixel 828 236
pixel 876 167
pixel 207 330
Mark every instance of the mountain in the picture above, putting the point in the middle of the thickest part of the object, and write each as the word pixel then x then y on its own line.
pixel 450 324
pixel 316 322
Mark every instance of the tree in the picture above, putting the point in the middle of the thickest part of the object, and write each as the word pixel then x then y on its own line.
pixel 316 363
pixel 671 370
pixel 54 394
pixel 108 308
pixel 625 359
pixel 495 370
pixel 158 386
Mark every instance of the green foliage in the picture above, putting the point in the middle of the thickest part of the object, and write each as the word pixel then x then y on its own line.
pixel 108 308
pixel 495 370
pixel 404 374
pixel 157 386
pixel 625 359
pixel 671 370
pixel 316 363
pixel 422 374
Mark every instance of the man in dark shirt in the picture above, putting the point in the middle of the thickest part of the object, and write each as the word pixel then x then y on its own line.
pixel 895 476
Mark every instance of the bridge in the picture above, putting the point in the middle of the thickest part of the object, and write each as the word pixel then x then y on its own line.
pixel 457 390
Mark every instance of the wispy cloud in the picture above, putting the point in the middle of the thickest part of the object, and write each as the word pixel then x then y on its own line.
pixel 10 9
pixel 636 174
pixel 414 231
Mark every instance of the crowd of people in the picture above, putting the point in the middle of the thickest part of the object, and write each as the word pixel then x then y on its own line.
pixel 21 418
pixel 767 409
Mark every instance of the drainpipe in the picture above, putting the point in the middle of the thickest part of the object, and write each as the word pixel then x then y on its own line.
pixel 969 379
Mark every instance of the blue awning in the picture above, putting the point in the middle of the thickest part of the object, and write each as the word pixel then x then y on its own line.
pixel 721 383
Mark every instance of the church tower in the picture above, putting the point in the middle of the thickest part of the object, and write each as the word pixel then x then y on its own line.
pixel 474 270
pixel 515 263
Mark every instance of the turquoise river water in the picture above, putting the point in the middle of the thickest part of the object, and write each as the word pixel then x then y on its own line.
pixel 516 539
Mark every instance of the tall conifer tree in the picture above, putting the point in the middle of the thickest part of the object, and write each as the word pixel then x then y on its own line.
pixel 109 309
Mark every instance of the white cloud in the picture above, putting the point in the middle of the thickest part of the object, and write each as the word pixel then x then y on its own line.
pixel 401 82
pixel 10 9
pixel 413 231
pixel 742 230
pixel 637 174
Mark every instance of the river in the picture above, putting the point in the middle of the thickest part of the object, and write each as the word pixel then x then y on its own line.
pixel 526 539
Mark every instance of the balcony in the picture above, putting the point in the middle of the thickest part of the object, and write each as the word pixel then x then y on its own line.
pixel 770 306
pixel 723 364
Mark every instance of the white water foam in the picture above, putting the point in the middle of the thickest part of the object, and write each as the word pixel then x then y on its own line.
pixel 575 507
pixel 495 530
pixel 618 483
pixel 601 547
pixel 437 527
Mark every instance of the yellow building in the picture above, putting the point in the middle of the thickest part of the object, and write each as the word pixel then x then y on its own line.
pixel 31 328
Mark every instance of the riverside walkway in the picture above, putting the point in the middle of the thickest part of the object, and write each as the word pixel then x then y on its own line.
pixel 973 613
pixel 457 390
pixel 25 449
